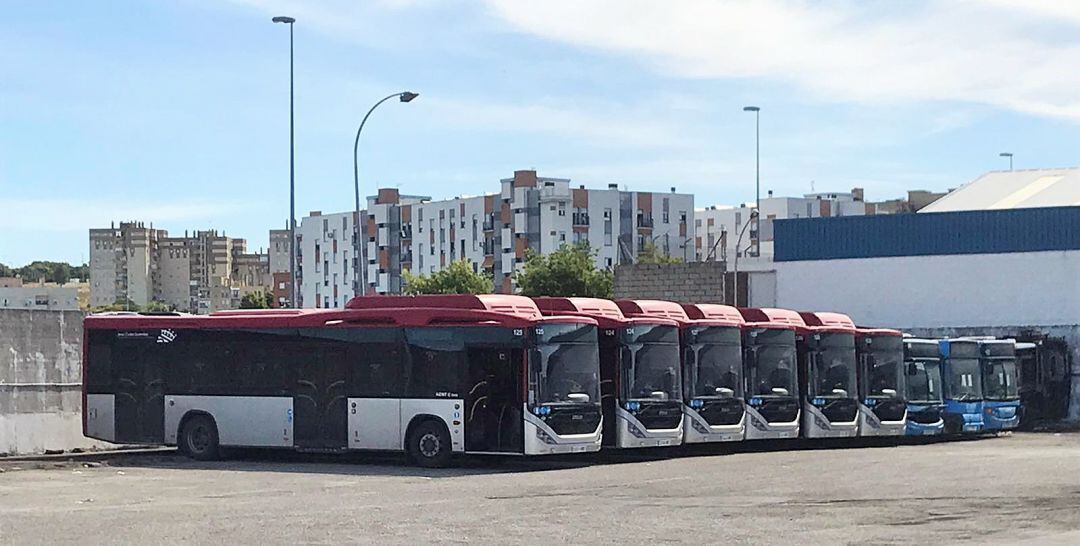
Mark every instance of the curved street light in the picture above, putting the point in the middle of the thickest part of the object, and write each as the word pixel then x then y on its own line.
pixel 403 96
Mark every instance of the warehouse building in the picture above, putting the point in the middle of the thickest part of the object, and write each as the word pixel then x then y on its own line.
pixel 1000 256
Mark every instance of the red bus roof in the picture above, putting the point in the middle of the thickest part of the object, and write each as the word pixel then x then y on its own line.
pixel 772 315
pixel 498 303
pixel 507 311
pixel 828 321
pixel 653 308
pixel 605 312
pixel 714 312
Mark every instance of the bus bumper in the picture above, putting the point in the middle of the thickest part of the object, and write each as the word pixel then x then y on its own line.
pixel 630 433
pixel 696 430
pixel 816 425
pixel 925 429
pixel 757 428
pixel 541 440
pixel 870 425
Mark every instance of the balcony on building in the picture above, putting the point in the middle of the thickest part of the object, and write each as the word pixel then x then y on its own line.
pixel 581 218
pixel 644 221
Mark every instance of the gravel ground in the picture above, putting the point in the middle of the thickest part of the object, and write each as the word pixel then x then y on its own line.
pixel 1018 488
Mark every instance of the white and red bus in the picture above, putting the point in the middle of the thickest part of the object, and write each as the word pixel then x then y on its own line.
pixel 773 407
pixel 430 375
pixel 640 372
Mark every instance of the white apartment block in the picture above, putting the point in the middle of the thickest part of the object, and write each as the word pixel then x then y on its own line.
pixel 493 232
pixel 718 227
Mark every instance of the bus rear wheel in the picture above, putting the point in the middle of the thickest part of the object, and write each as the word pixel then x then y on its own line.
pixel 429 445
pixel 199 438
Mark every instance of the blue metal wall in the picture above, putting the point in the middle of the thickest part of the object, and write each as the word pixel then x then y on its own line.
pixel 932 233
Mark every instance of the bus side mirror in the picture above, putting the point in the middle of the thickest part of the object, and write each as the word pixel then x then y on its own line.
pixel 912 369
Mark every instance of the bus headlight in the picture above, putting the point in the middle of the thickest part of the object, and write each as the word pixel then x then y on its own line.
pixel 545 437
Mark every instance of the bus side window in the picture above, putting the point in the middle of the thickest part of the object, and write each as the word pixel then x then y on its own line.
pixel 436 362
pixel 375 369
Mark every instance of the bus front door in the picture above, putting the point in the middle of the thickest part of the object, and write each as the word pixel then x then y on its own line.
pixel 320 419
pixel 493 420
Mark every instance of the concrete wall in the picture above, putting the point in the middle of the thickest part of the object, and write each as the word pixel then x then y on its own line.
pixel 1030 288
pixel 694 282
pixel 40 378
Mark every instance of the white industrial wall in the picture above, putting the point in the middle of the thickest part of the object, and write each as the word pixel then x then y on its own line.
pixel 1016 289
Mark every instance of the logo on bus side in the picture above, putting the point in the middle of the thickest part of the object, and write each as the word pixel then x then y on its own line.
pixel 166 336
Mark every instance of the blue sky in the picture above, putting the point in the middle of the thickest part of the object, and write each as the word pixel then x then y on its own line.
pixel 176 112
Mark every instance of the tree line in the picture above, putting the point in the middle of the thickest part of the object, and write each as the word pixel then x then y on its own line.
pixel 57 272
pixel 570 271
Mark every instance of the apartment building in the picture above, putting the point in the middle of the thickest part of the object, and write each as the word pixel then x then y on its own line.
pixel 719 227
pixel 493 232
pixel 281 275
pixel 201 272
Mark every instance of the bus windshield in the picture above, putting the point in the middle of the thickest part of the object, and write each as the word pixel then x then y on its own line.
pixel 882 370
pixel 963 374
pixel 651 363
pixel 566 364
pixel 999 379
pixel 771 367
pixel 833 367
pixel 718 367
pixel 924 381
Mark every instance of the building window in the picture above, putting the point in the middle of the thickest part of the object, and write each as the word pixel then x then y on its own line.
pixel 682 217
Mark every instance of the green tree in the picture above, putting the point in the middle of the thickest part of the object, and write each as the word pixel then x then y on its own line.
pixel 6 271
pixel 257 300
pixel 457 278
pixel 159 307
pixel 568 272
pixel 121 304
pixel 652 255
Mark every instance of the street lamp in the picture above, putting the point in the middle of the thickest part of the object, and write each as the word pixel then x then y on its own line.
pixel 757 174
pixel 403 96
pixel 292 170
pixel 1008 155
pixel 738 243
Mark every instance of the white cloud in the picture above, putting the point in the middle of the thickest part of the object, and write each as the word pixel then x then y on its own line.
pixel 1018 55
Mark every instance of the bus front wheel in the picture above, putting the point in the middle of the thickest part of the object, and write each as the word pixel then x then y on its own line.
pixel 199 438
pixel 429 445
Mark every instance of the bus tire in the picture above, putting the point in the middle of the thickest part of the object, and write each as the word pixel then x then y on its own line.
pixel 429 445
pixel 198 438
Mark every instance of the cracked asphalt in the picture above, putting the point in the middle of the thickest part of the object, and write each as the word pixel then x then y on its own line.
pixel 1022 488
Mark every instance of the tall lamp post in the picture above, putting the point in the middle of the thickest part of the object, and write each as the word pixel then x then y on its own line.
pixel 403 96
pixel 1008 155
pixel 293 299
pixel 757 176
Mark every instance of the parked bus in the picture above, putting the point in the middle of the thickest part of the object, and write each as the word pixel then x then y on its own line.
pixel 923 382
pixel 429 375
pixel 882 391
pixel 641 385
pixel 963 385
pixel 1001 396
pixel 770 363
pixel 712 378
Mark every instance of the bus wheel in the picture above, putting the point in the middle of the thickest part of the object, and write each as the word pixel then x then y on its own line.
pixel 199 438
pixel 429 445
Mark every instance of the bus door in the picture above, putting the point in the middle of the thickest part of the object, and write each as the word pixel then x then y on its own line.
pixel 138 366
pixel 320 398
pixel 493 401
